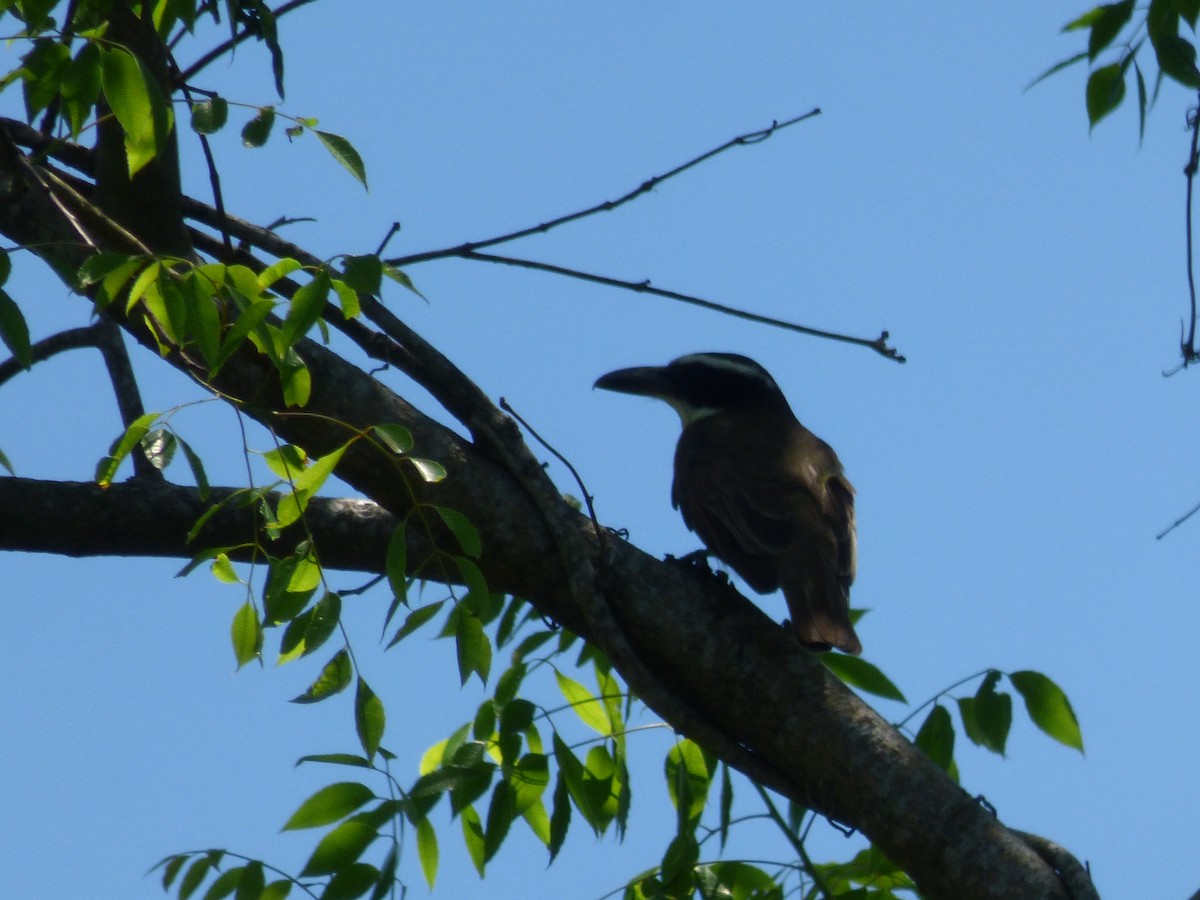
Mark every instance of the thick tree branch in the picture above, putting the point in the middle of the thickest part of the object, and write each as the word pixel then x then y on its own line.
pixel 711 651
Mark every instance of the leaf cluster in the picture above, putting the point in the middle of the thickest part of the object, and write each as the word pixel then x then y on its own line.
pixel 1115 33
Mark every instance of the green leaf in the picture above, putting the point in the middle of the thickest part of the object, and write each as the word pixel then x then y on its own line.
pixel 197 466
pixel 338 849
pixel 473 838
pixel 192 878
pixel 210 116
pixel 587 706
pixel 396 565
pixel 936 737
pixel 1177 59
pixel 427 851
pixel 136 101
pixel 6 464
pixel 464 531
pixel 1105 91
pixel 369 719
pixel 560 816
pixel 337 759
pixel 251 883
pixel 81 87
pixel 363 273
pixel 859 673
pixel 528 780
pixel 396 438
pixel 334 679
pixel 688 779
pixel 678 864
pixel 993 713
pixel 501 812
pixel 336 801
pixel 306 306
pixel 246 633
pixel 106 469
pixel 1107 25
pixel 351 882
pixel 385 885
pixel 1048 707
pixel 343 151
pixel 323 622
pixel 276 890
pixel 429 471
pixel 473 648
pixel 742 881
pixel 171 866
pixel 258 129
pixel 415 620
pixel 223 569
pixel 14 331
pixel 295 379
pixel 726 804
pixel 5 266
pixel 347 298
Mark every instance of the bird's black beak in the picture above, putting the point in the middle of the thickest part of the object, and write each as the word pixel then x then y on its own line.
pixel 645 381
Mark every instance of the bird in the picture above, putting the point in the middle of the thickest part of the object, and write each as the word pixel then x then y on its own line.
pixel 763 493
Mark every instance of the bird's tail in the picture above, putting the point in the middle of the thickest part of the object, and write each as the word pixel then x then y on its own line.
pixel 820 610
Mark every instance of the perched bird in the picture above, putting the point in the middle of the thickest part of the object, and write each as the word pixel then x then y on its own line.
pixel 765 494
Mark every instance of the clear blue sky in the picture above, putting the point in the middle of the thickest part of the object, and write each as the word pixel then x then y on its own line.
pixel 1011 477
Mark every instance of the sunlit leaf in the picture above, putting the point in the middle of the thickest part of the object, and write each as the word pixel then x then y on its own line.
pixel 246 634
pixel 369 718
pixel 473 837
pixel 586 705
pixel 106 469
pixel 334 678
pixel 338 849
pixel 859 673
pixel 1048 707
pixel 427 851
pixel 138 104
pixel 343 151
pixel 330 803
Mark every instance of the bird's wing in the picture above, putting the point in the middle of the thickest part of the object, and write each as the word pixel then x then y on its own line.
pixel 745 502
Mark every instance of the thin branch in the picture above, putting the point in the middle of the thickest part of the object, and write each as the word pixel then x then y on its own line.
pixel 225 46
pixel 111 343
pixel 753 137
pixel 1187 515
pixel 879 344
pixel 587 497
pixel 1188 347
pixel 71 339
pixel 796 842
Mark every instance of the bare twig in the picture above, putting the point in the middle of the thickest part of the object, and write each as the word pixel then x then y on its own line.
pixel 111 344
pixel 587 496
pixel 1187 515
pixel 879 344
pixel 1188 346
pixel 753 137
pixel 71 339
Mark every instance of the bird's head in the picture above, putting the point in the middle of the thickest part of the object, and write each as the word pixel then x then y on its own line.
pixel 700 385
